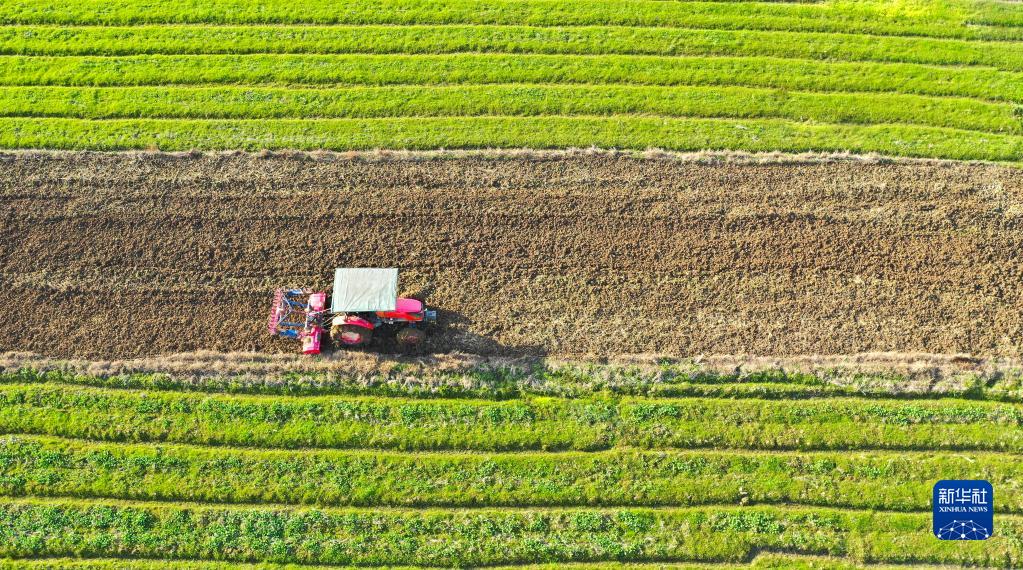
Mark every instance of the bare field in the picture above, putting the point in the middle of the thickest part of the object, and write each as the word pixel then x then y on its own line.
pixel 125 255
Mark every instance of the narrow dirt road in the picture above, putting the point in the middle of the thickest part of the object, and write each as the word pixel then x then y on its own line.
pixel 107 255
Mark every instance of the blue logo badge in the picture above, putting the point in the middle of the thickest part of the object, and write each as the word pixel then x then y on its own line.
pixel 963 510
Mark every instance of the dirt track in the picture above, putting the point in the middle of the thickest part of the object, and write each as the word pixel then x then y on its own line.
pixel 126 255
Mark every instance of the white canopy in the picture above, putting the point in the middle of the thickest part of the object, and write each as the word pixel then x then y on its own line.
pixel 364 290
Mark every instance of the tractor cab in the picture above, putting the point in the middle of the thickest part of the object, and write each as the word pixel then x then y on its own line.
pixel 366 299
pixel 404 309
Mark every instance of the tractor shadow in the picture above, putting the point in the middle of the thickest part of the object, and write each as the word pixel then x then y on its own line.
pixel 451 334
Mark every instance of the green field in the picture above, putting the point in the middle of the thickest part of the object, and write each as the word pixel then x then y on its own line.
pixel 920 78
pixel 126 471
pixel 431 462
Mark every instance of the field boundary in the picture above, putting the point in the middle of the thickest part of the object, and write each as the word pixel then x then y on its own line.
pixel 926 370
pixel 405 155
pixel 768 559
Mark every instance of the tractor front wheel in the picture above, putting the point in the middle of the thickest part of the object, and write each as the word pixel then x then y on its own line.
pixel 410 338
pixel 350 335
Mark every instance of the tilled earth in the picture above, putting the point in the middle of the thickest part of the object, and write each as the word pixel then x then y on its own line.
pixel 118 255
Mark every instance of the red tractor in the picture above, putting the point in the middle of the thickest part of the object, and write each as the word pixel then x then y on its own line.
pixel 363 301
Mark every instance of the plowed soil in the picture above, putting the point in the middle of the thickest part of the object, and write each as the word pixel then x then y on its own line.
pixel 117 255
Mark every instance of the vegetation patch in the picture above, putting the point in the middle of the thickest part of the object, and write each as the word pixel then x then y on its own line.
pixel 93 470
pixel 923 79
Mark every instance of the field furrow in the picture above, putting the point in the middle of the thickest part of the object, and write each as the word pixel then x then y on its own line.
pixel 48 467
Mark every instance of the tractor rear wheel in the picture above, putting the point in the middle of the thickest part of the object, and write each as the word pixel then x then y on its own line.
pixel 410 338
pixel 350 335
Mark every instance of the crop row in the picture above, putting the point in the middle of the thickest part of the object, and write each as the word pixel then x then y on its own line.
pixel 534 423
pixel 506 100
pixel 144 564
pixel 499 68
pixel 481 537
pixel 1005 14
pixel 937 19
pixel 37 40
pixel 628 132
pixel 44 466
pixel 763 561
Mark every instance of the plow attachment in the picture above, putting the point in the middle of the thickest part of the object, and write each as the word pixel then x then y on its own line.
pixel 297 314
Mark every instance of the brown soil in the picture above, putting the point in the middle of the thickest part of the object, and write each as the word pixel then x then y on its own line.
pixel 117 255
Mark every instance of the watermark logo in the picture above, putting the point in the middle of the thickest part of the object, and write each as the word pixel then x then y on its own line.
pixel 963 510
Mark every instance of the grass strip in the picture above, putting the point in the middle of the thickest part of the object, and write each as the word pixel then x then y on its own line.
pixel 134 564
pixel 766 560
pixel 668 379
pixel 176 39
pixel 481 537
pixel 496 382
pixel 755 135
pixel 998 13
pixel 499 68
pixel 933 18
pixel 528 424
pixel 515 100
pixel 44 466
pixel 490 69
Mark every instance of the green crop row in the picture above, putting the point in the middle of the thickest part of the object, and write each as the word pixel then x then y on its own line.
pixel 482 537
pixel 142 564
pixel 506 100
pixel 628 132
pixel 933 18
pixel 762 561
pixel 994 13
pixel 490 68
pixel 36 40
pixel 533 423
pixel 902 481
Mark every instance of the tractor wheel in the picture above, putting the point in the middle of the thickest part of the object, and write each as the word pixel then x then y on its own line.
pixel 350 335
pixel 410 338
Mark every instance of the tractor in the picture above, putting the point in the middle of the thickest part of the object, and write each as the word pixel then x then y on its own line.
pixel 363 300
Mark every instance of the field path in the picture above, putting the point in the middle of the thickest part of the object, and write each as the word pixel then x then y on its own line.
pixel 109 255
